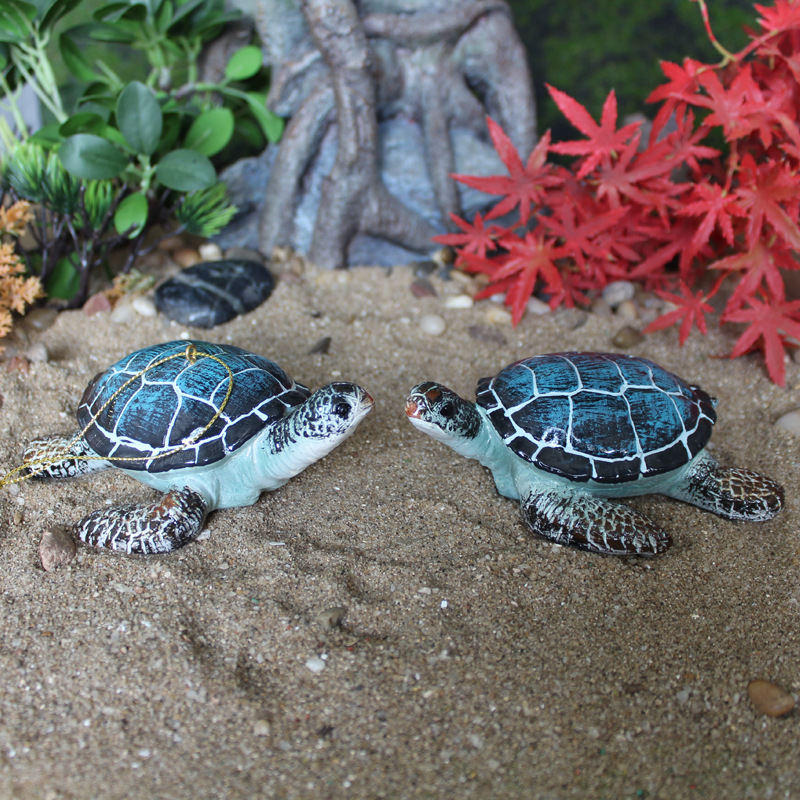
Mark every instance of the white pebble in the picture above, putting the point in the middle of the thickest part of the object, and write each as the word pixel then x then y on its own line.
pixel 261 728
pixel 315 664
pixel 432 324
pixel 618 292
pixel 123 312
pixel 498 316
pixel 144 306
pixel 210 251
pixel 37 353
pixel 790 421
pixel 459 301
pixel 537 306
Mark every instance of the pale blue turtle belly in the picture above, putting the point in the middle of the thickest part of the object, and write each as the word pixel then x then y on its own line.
pixel 517 478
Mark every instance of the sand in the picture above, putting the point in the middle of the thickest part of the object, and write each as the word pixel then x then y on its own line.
pixel 474 661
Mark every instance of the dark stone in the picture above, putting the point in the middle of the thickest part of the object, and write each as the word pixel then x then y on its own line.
pixel 214 292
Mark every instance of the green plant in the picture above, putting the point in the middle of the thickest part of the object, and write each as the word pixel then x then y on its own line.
pixel 131 154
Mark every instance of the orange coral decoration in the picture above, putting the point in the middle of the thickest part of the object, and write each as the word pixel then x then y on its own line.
pixel 16 291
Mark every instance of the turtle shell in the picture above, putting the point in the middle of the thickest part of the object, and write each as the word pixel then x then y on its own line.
pixel 600 416
pixel 153 411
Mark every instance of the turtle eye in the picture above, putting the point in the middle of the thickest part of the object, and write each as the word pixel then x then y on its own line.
pixel 342 409
pixel 448 410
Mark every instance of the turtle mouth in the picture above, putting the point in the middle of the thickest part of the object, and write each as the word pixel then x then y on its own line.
pixel 415 408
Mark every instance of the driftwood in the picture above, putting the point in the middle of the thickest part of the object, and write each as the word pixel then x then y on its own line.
pixel 447 66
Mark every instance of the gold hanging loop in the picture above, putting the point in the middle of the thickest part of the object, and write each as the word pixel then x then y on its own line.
pixel 191 354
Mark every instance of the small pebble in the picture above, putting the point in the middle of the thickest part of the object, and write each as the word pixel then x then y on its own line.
pixel 331 617
pixel 626 337
pixel 627 309
pixel 210 251
pixel 618 292
pixel 422 287
pixel 243 254
pixel 321 347
pixel 144 306
pixel 123 312
pixel 432 324
pixel 498 316
pixel 186 257
pixel 261 728
pixel 601 308
pixel 537 306
pixel 790 421
pixel 41 319
pixel 459 301
pixel 486 333
pixel 56 548
pixel 96 304
pixel 769 699
pixel 315 664
pixel 37 354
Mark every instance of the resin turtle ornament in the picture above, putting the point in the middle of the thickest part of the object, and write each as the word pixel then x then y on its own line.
pixel 209 425
pixel 568 433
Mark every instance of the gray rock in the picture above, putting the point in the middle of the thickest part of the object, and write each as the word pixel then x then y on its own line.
pixel 214 292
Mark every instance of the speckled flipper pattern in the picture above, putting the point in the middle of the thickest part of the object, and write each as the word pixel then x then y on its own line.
pixel 592 523
pixel 731 492
pixel 168 524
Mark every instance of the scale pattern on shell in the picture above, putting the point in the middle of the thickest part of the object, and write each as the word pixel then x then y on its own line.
pixel 169 403
pixel 606 417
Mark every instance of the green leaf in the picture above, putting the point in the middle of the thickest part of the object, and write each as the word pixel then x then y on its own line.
pixel 15 21
pixel 65 280
pixel 76 61
pixel 270 123
pixel 53 10
pixel 164 17
pixel 82 122
pixel 90 157
pixel 139 118
pixel 47 136
pixel 207 212
pixel 131 215
pixel 244 63
pixel 186 171
pixel 211 131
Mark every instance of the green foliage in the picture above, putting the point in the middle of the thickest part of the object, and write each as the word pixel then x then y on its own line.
pixel 586 48
pixel 205 212
pixel 126 154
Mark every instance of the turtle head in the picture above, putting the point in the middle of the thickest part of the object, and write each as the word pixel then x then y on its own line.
pixel 333 412
pixel 442 414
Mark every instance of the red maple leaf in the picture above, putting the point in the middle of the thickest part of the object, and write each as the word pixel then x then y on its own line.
pixel 761 191
pixel 604 140
pixel 475 239
pixel 769 326
pixel 760 268
pixel 730 108
pixel 517 272
pixel 525 185
pixel 716 205
pixel 691 309
pixel 784 15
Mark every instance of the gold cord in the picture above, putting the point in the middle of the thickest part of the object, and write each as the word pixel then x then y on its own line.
pixel 191 353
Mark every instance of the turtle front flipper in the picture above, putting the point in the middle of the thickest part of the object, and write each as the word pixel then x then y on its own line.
pixel 61 457
pixel 729 492
pixel 171 522
pixel 592 523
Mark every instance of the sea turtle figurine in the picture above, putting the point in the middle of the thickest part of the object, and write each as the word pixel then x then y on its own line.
pixel 567 433
pixel 210 425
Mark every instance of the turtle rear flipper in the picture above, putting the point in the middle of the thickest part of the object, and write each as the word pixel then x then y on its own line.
pixel 169 523
pixel 61 457
pixel 592 523
pixel 729 492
